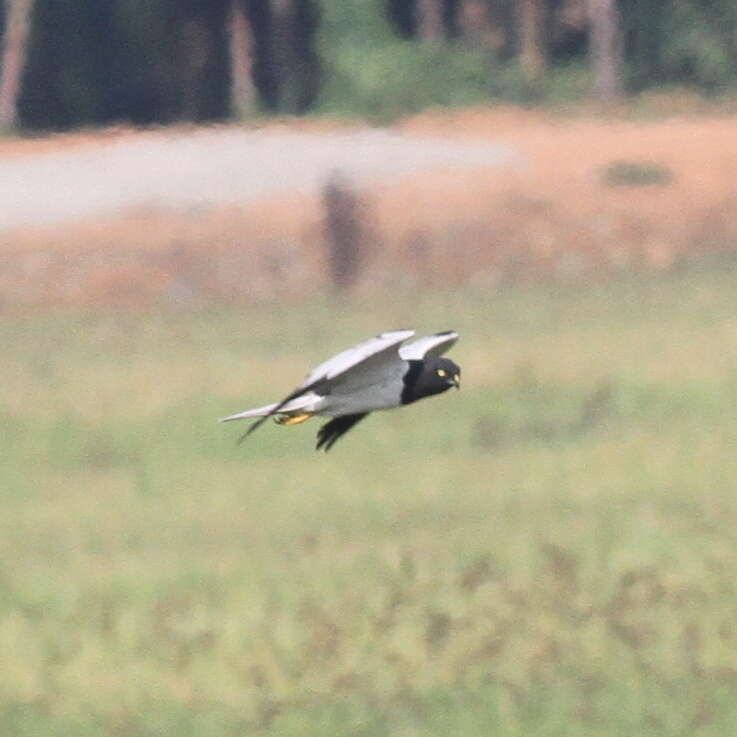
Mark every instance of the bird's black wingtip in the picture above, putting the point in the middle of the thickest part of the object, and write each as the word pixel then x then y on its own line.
pixel 253 426
pixel 329 433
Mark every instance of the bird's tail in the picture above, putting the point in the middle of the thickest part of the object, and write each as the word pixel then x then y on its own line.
pixel 297 404
pixel 258 412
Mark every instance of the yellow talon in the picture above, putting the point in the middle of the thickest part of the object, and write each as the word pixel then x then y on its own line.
pixel 291 419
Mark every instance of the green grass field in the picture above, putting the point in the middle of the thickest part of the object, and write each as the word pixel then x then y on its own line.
pixel 550 551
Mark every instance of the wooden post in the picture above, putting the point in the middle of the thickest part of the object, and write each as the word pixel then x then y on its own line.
pixel 605 48
pixel 430 20
pixel 13 61
pixel 478 26
pixel 282 52
pixel 532 47
pixel 243 91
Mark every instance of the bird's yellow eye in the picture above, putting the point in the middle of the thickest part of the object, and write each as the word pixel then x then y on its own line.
pixel 441 372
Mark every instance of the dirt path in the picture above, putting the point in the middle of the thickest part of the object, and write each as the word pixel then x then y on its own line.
pixel 210 168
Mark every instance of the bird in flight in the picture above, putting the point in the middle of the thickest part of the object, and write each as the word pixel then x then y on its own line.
pixel 381 373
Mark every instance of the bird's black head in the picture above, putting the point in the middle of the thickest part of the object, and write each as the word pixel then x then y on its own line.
pixel 428 377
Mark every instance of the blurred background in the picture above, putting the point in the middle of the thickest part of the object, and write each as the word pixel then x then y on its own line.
pixel 201 200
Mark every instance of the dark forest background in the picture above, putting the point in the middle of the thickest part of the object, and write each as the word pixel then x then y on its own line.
pixel 86 62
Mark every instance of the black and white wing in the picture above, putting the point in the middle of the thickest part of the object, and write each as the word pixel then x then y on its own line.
pixel 356 366
pixel 429 346
pixel 335 429
pixel 364 358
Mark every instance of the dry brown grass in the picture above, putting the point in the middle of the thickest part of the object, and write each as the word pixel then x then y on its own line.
pixel 554 215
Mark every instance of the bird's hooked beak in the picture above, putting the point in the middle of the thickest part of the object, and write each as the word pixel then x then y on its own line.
pixel 456 381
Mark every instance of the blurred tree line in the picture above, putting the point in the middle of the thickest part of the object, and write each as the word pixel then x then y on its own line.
pixel 68 63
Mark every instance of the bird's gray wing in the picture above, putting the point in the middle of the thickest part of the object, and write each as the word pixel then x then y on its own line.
pixel 430 345
pixel 355 364
pixel 370 353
